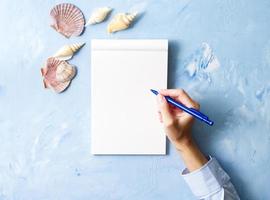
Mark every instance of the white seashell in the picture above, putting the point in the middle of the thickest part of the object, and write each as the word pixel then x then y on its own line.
pixel 120 21
pixel 65 72
pixel 99 15
pixel 67 51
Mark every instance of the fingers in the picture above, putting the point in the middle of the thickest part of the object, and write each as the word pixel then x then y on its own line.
pixel 164 109
pixel 160 117
pixel 180 95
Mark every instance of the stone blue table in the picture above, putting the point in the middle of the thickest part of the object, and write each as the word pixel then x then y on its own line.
pixel 45 137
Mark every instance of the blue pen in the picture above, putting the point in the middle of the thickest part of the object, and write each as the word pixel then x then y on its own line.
pixel 195 113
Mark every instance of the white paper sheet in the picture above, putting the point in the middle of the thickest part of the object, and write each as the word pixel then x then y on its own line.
pixel 123 110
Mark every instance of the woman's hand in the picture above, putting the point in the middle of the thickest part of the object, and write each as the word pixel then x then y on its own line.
pixel 177 123
pixel 178 126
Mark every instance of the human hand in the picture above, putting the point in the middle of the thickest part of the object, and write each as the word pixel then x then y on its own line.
pixel 177 123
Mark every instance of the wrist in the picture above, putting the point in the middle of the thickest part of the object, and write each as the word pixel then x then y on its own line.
pixel 184 143
pixel 190 153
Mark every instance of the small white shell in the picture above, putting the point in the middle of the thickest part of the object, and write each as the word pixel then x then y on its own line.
pixel 67 51
pixel 98 16
pixel 120 21
pixel 65 72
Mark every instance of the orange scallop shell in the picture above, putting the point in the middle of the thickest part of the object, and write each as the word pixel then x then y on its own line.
pixel 67 19
pixel 49 75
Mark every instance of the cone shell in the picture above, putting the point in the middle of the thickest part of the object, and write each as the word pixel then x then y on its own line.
pixel 67 51
pixel 120 21
pixel 98 16
pixel 49 75
pixel 67 19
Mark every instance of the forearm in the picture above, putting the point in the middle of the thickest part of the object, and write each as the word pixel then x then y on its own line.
pixel 209 181
pixel 205 177
pixel 190 153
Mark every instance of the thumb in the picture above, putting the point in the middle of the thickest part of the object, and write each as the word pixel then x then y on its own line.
pixel 165 110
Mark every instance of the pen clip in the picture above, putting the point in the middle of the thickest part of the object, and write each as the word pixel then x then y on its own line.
pixel 199 113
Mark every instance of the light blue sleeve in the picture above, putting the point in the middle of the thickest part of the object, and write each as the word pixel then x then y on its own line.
pixel 210 182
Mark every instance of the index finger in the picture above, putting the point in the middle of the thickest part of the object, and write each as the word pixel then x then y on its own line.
pixel 180 95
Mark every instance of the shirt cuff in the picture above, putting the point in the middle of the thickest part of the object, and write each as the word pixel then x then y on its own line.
pixel 207 180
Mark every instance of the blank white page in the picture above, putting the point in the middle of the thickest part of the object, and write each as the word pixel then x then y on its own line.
pixel 123 110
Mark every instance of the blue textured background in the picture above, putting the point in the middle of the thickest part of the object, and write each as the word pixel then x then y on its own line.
pixel 45 138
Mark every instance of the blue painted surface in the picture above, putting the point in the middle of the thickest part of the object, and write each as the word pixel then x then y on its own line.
pixel 45 138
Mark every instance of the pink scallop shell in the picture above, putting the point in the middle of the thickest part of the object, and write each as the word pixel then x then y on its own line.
pixel 49 75
pixel 67 19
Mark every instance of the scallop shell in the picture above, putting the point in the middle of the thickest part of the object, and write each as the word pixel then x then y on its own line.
pixel 49 75
pixel 60 86
pixel 99 15
pixel 67 19
pixel 120 21
pixel 65 72
pixel 67 51
pixel 49 71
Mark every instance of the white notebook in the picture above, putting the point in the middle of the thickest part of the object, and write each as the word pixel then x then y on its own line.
pixel 123 110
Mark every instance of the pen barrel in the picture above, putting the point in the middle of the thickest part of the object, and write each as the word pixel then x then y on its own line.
pixel 209 122
pixel 195 114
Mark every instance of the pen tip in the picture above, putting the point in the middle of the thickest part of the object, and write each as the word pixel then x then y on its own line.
pixel 154 91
